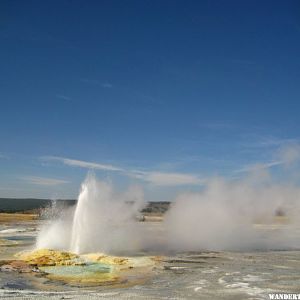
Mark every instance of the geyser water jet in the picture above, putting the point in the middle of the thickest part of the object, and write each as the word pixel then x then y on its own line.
pixel 103 221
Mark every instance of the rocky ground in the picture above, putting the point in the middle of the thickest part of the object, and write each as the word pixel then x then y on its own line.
pixel 48 274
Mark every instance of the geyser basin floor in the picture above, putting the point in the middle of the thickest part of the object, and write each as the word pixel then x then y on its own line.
pixel 197 275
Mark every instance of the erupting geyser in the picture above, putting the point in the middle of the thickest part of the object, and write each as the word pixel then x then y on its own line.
pixel 103 221
pixel 85 222
pixel 225 215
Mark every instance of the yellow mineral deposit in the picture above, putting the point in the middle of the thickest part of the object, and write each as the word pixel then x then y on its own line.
pixel 48 257
pixel 127 262
pixel 89 269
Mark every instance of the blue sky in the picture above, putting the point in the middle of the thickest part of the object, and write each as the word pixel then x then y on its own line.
pixel 164 94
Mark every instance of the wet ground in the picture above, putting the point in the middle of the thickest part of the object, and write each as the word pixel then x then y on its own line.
pixel 189 275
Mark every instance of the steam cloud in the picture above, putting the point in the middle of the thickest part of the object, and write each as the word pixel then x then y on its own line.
pixel 229 216
pixel 103 220
pixel 225 215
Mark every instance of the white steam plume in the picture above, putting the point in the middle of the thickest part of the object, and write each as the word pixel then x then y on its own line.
pixel 225 215
pixel 103 220
pixel 235 216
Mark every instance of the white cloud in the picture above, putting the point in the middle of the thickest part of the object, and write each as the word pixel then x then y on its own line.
pixel 82 163
pixel 168 179
pixel 259 166
pixel 153 177
pixel 286 155
pixel 43 180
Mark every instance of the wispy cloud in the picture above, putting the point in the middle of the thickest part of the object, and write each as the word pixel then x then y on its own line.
pixel 3 156
pixel 82 163
pixel 272 141
pixel 64 97
pixel 43 180
pixel 167 179
pixel 261 141
pixel 157 178
pixel 259 166
pixel 285 156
